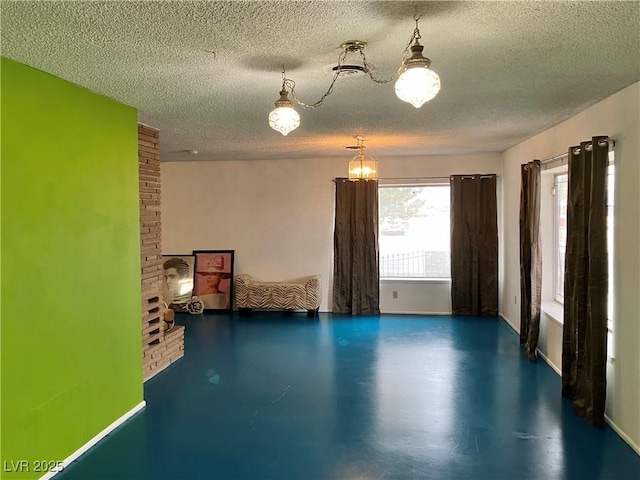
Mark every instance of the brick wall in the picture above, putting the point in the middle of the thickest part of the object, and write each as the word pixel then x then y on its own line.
pixel 159 349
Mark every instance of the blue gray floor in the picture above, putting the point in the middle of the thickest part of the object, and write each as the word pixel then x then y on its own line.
pixel 396 397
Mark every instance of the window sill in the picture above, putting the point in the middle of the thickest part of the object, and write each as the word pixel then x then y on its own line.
pixel 414 280
pixel 554 311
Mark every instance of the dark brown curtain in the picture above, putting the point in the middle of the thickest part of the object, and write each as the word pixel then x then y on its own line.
pixel 474 245
pixel 530 258
pixel 356 285
pixel 584 346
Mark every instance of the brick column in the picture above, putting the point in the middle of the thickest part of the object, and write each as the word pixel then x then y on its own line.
pixel 159 349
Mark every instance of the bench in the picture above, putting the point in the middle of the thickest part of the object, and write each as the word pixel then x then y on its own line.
pixel 301 294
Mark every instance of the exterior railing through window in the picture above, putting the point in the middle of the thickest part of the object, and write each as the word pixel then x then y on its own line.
pixel 415 264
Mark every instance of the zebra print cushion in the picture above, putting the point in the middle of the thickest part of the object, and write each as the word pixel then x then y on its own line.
pixel 302 294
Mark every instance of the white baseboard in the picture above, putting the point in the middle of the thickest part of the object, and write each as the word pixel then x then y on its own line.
pixel 549 362
pixel 510 323
pixel 615 427
pixel 622 435
pixel 75 455
pixel 412 312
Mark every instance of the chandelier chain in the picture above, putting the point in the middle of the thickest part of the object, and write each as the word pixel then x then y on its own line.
pixel 415 36
pixel 405 54
pixel 292 85
pixel 411 53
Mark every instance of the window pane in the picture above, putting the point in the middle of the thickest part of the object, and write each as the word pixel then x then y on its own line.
pixel 610 221
pixel 561 188
pixel 414 238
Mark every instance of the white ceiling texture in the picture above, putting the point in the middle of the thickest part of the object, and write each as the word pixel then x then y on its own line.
pixel 207 73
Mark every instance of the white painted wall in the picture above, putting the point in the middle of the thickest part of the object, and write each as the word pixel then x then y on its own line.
pixel 278 217
pixel 619 117
pixel 413 296
pixel 432 296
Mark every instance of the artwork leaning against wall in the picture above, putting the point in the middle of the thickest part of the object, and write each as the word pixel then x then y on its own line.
pixel 178 281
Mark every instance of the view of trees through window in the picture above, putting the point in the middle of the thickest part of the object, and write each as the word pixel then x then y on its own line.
pixel 414 231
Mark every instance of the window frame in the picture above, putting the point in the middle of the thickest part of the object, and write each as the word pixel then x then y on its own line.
pixel 426 183
pixel 558 290
pixel 553 308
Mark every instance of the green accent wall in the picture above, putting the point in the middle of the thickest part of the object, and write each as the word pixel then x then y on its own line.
pixel 70 294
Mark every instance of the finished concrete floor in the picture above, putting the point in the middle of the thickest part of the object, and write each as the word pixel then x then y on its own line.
pixel 282 396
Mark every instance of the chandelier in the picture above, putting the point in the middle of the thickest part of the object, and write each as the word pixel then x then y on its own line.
pixel 362 167
pixel 416 82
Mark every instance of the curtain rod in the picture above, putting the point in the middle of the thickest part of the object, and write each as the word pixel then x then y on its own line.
pixel 562 157
pixel 482 175
pixel 469 175
pixel 414 178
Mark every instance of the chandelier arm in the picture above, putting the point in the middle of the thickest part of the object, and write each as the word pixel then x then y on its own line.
pixel 350 46
pixel 405 55
pixel 307 106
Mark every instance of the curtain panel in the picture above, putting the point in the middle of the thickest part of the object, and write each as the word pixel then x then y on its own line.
pixel 474 245
pixel 356 281
pixel 584 348
pixel 530 258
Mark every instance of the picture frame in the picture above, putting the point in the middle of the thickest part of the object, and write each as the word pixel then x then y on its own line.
pixel 213 279
pixel 177 286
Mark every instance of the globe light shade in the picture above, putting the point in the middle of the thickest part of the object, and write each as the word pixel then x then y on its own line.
pixel 284 118
pixel 417 84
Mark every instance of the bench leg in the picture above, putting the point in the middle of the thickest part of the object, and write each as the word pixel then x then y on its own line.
pixel 313 313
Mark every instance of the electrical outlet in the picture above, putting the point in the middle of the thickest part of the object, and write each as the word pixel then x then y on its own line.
pixel 395 294
pixel 515 299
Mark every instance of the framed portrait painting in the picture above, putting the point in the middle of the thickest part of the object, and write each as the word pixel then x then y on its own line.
pixel 214 279
pixel 177 287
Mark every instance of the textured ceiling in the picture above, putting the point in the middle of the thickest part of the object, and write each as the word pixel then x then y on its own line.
pixel 207 73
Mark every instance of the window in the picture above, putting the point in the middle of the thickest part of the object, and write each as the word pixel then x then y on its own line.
pixel 560 188
pixel 553 223
pixel 414 237
pixel 560 230
pixel 611 172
